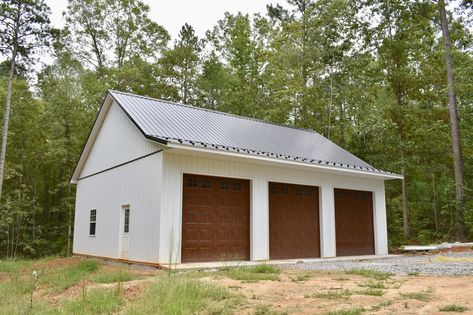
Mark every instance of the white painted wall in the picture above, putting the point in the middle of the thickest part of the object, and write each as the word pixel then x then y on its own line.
pixel 118 141
pixel 176 162
pixel 136 184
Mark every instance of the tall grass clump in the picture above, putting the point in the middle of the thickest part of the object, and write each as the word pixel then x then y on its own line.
pixel 178 294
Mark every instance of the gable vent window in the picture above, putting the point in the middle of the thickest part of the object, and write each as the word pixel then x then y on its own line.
pixel 93 222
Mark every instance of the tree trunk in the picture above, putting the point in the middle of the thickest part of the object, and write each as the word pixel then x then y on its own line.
pixel 454 124
pixel 6 118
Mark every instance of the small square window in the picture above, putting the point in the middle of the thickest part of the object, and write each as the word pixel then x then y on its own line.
pixel 92 222
pixel 284 191
pixel 224 185
pixel 307 192
pixel 192 182
pixel 237 186
pixel 299 192
pixel 274 190
pixel 206 183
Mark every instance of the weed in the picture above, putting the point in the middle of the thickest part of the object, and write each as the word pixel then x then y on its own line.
pixel 178 294
pixel 370 291
pixel 302 277
pixel 349 311
pixel 377 307
pixel 333 295
pixel 421 296
pixel 413 273
pixel 373 285
pixel 253 274
pixel 121 275
pixel 368 273
pixel 97 301
pixel 453 308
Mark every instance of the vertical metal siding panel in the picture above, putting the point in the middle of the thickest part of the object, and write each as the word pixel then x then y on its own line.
pixel 136 184
pixel 175 164
pixel 118 141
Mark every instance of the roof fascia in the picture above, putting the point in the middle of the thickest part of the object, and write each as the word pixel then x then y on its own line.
pixel 286 162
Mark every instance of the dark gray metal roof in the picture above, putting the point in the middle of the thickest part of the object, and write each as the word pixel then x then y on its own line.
pixel 177 123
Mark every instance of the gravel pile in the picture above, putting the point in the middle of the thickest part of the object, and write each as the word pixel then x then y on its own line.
pixel 450 263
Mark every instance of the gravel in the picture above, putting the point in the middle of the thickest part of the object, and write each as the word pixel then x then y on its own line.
pixel 401 265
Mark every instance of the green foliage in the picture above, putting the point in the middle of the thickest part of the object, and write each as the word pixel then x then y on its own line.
pixel 350 311
pixel 253 274
pixel 333 294
pixel 421 296
pixel 121 275
pixel 453 308
pixel 369 273
pixel 96 301
pixel 178 294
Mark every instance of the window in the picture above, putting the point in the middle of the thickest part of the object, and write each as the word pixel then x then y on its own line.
pixel 237 186
pixel 224 185
pixel 192 182
pixel 206 184
pixel 93 222
pixel 126 221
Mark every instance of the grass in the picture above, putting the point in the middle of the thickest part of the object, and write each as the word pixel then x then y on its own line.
pixel 253 274
pixel 378 306
pixel 13 265
pixel 122 275
pixel 420 296
pixel 413 273
pixel 265 310
pixel 368 273
pixel 371 291
pixel 333 295
pixel 453 308
pixel 373 285
pixel 302 277
pixel 178 294
pixel 349 311
pixel 61 278
pixel 97 301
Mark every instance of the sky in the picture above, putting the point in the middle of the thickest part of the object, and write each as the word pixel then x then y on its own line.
pixel 172 14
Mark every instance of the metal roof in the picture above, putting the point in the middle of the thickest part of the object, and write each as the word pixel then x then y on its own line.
pixel 166 122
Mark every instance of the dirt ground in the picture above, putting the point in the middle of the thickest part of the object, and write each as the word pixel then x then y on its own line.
pixel 291 295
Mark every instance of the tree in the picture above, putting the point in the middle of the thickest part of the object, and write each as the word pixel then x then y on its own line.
pixel 108 33
pixel 25 26
pixel 180 64
pixel 454 123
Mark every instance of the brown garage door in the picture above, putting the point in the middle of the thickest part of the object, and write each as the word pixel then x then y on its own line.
pixel 293 221
pixel 215 219
pixel 354 222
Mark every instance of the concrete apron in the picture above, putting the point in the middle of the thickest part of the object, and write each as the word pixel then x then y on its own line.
pixel 225 264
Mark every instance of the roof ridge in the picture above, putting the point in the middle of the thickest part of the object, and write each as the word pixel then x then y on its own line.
pixel 220 113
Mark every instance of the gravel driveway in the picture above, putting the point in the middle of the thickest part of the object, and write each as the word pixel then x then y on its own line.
pixel 450 263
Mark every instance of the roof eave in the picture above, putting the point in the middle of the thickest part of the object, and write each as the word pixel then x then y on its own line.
pixel 379 175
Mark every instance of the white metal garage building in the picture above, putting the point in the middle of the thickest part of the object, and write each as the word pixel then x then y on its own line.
pixel 160 182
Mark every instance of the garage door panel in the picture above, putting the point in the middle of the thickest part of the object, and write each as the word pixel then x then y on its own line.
pixel 215 219
pixel 294 221
pixel 354 222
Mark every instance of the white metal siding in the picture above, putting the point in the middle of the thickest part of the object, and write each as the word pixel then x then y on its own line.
pixel 136 184
pixel 175 164
pixel 118 141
